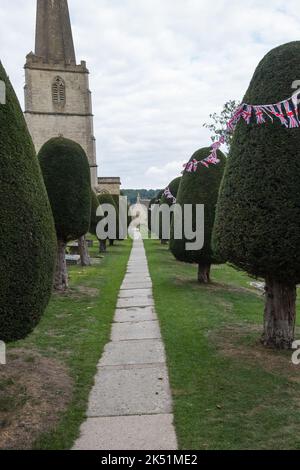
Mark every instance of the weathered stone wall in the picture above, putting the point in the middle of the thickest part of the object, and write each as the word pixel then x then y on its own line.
pixel 109 185
pixel 73 119
pixel 53 31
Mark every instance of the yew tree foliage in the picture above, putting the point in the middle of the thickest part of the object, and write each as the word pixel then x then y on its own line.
pixel 94 218
pixel 106 198
pixel 66 174
pixel 258 216
pixel 27 235
pixel 155 200
pixel 200 187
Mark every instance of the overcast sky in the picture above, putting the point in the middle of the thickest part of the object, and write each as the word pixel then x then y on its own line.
pixel 158 69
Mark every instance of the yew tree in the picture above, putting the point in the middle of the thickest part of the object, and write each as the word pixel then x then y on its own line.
pixel 94 217
pixel 105 198
pixel 66 174
pixel 27 235
pixel 154 202
pixel 258 216
pixel 172 189
pixel 199 187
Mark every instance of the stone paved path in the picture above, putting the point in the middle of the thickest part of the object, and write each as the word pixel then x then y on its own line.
pixel 130 405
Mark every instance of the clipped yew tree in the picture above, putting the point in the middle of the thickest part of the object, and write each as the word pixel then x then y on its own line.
pixel 94 218
pixel 258 215
pixel 105 198
pixel 27 235
pixel 173 190
pixel 122 225
pixel 66 174
pixel 200 187
pixel 116 199
pixel 154 202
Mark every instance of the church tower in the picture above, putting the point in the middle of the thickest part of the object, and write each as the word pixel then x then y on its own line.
pixel 57 96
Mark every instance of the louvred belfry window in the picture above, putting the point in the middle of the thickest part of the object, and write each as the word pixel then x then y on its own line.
pixel 59 91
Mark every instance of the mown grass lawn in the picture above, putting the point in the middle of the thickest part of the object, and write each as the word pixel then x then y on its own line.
pixel 228 391
pixel 52 370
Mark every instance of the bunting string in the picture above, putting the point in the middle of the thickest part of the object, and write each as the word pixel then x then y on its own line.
pixel 169 195
pixel 285 111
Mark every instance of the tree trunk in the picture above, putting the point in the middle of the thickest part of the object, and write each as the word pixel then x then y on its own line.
pixel 111 242
pixel 280 315
pixel 204 273
pixel 61 280
pixel 102 246
pixel 84 253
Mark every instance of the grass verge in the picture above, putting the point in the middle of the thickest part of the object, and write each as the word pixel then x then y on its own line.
pixel 55 366
pixel 228 391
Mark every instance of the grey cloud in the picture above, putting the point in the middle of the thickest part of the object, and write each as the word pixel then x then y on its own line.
pixel 158 69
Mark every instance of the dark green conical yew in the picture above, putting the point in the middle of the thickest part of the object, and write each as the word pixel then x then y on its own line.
pixel 106 198
pixel 154 201
pixel 121 234
pixel 200 187
pixel 82 242
pixel 67 178
pixel 27 236
pixel 258 216
pixel 173 188
pixel 94 218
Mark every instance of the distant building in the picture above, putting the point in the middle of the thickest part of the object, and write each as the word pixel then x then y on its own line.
pixel 144 202
pixel 109 185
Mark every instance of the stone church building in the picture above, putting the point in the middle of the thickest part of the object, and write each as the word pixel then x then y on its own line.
pixel 57 96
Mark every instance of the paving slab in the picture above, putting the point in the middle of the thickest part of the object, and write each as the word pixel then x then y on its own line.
pixel 138 263
pixel 137 301
pixel 136 277
pixel 134 285
pixel 140 330
pixel 137 266
pixel 135 292
pixel 133 270
pixel 134 314
pixel 145 432
pixel 137 269
pixel 138 254
pixel 130 391
pixel 133 352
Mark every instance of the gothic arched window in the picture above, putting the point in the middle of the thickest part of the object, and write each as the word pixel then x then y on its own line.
pixel 59 91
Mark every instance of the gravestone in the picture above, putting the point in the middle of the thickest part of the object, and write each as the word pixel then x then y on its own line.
pixel 72 260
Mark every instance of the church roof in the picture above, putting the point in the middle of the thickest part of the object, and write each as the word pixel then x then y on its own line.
pixel 54 40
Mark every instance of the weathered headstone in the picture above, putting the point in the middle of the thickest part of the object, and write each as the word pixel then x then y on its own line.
pixel 72 260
